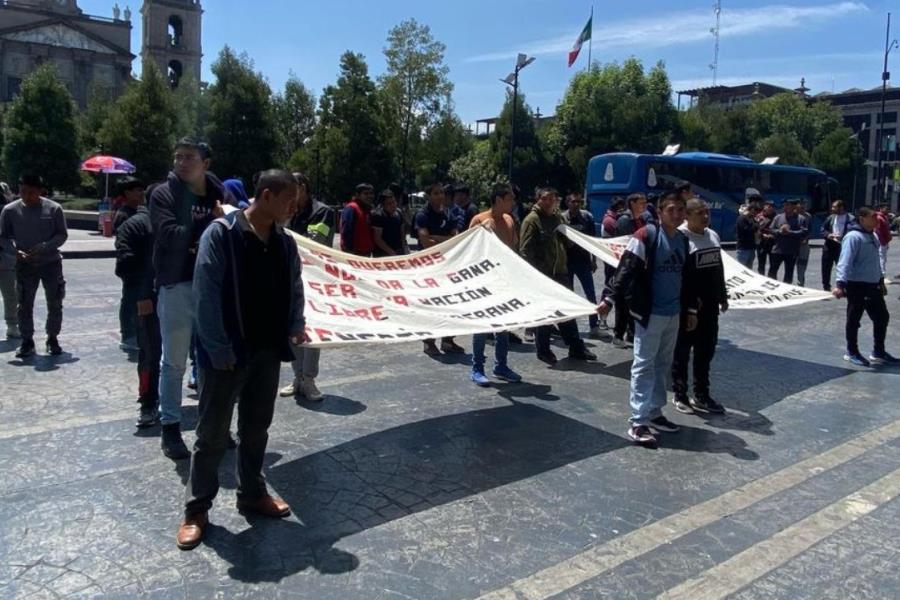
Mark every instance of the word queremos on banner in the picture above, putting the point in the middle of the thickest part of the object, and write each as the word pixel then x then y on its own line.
pixel 746 288
pixel 472 283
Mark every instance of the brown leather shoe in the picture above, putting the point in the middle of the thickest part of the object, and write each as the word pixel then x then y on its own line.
pixel 267 506
pixel 191 531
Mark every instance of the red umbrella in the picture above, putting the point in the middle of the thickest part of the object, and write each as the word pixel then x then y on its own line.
pixel 107 165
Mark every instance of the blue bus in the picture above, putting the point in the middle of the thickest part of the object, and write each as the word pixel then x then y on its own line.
pixel 720 179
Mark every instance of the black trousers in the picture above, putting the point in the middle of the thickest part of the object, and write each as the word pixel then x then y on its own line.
pixel 775 262
pixel 703 341
pixel 831 252
pixel 128 317
pixel 253 387
pixel 28 277
pixel 567 329
pixel 865 297
pixel 763 253
pixel 149 354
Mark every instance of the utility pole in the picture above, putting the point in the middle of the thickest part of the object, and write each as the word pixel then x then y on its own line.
pixel 880 178
pixel 512 80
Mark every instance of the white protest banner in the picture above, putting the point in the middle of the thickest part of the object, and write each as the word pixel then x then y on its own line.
pixel 472 283
pixel 746 287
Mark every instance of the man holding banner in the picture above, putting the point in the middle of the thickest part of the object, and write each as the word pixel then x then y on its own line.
pixel 659 284
pixel 544 248
pixel 705 257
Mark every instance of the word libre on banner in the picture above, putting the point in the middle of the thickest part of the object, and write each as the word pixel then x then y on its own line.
pixel 746 287
pixel 472 283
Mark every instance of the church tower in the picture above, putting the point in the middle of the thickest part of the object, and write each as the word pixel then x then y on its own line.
pixel 171 37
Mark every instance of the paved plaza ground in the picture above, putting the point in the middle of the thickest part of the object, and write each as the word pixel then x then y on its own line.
pixel 410 482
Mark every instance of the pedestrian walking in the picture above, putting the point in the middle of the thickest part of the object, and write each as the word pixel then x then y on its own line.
pixel 315 221
pixel 433 225
pixel 32 230
pixel 248 298
pixel 464 209
pixel 659 283
pixel 833 230
pixel 134 264
pixel 789 228
pixel 499 220
pixel 356 222
pixel 544 248
pixel 181 209
pixel 705 260
pixel 860 279
pixel 581 264
pixel 131 193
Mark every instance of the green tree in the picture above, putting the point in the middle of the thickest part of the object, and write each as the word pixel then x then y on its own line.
pixel 40 134
pixel 785 146
pixel 241 127
pixel 295 117
pixel 446 140
pixel 92 119
pixel 790 115
pixel 191 107
pixel 716 129
pixel 141 124
pixel 351 132
pixel 840 155
pixel 529 165
pixel 612 108
pixel 477 169
pixel 415 83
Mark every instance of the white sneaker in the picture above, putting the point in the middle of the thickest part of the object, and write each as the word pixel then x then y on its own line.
pixel 310 391
pixel 290 390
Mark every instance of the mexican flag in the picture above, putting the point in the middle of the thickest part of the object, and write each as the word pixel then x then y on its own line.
pixel 582 38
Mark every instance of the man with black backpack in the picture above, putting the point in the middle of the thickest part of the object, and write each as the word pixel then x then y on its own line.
pixel 656 279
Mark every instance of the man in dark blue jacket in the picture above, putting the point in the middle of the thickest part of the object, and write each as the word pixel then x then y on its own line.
pixel 181 209
pixel 248 299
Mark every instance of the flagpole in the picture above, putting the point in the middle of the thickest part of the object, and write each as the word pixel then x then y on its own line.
pixel 591 39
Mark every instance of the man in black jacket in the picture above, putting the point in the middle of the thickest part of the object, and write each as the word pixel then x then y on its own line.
pixel 628 223
pixel 315 221
pixel 659 284
pixel 134 264
pixel 132 190
pixel 248 295
pixel 705 258
pixel 181 209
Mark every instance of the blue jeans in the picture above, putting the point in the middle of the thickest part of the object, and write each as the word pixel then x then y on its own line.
pixel 501 350
pixel 586 278
pixel 745 257
pixel 176 322
pixel 654 350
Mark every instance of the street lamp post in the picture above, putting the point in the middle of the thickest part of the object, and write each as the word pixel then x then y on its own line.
pixel 879 143
pixel 853 166
pixel 512 80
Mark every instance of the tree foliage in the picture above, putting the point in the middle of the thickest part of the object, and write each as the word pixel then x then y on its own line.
pixel 529 165
pixel 241 124
pixel 612 108
pixel 40 133
pixel 351 134
pixel 478 170
pixel 295 117
pixel 840 155
pixel 446 140
pixel 140 126
pixel 414 85
pixel 191 107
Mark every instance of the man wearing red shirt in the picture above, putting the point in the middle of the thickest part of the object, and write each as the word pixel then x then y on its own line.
pixel 883 233
pixel 356 225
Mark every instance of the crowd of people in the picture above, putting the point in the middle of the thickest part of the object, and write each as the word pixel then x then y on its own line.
pixel 221 289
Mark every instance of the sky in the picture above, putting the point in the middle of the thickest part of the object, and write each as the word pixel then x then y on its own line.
pixel 833 44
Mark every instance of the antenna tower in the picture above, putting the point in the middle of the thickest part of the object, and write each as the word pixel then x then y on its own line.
pixel 715 31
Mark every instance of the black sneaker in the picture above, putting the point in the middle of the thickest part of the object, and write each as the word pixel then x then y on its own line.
pixel 431 349
pixel 582 353
pixel 663 425
pixel 53 347
pixel 547 357
pixel 641 434
pixel 26 349
pixel 682 405
pixel 883 358
pixel 703 403
pixel 148 416
pixel 451 347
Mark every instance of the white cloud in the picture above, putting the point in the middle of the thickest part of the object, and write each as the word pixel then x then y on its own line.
pixel 686 27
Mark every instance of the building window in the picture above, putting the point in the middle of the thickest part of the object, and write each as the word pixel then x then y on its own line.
pixel 13 87
pixel 174 73
pixel 176 31
pixel 889 117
